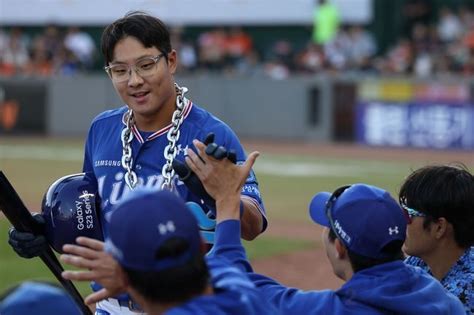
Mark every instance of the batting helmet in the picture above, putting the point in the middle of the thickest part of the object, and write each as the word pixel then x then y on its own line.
pixel 71 209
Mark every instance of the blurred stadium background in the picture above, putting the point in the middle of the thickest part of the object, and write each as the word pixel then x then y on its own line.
pixel 389 91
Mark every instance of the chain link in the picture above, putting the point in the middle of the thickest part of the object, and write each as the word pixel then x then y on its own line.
pixel 173 137
pixel 127 159
pixel 170 150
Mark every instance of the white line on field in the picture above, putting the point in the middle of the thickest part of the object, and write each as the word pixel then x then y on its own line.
pixel 336 168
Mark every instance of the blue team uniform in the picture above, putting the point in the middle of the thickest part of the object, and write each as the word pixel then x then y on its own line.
pixel 103 153
pixel 234 293
pixel 391 288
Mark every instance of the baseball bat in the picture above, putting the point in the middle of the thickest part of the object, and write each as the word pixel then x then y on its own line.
pixel 19 216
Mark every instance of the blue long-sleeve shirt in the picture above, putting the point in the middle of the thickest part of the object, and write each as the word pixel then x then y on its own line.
pixel 391 288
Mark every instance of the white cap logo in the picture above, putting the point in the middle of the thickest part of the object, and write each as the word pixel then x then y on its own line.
pixel 393 230
pixel 164 228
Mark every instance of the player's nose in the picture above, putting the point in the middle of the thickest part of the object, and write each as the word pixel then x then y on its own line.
pixel 134 79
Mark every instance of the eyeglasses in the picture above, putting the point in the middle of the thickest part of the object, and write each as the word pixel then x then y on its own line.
pixel 122 72
pixel 411 213
pixel 335 226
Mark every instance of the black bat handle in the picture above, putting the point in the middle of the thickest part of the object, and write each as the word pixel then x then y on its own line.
pixel 50 260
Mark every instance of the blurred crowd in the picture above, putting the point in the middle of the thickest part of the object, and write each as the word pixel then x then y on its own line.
pixel 425 49
pixel 51 52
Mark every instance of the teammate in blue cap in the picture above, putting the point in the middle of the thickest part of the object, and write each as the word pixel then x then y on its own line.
pixel 364 229
pixel 37 298
pixel 155 239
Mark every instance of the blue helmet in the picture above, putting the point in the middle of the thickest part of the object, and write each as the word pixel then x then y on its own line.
pixel 70 209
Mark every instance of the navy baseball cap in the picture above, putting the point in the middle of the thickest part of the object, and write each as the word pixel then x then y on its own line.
pixel 39 299
pixel 143 221
pixel 364 217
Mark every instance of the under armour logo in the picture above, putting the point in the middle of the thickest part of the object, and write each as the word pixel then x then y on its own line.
pixel 164 228
pixel 393 230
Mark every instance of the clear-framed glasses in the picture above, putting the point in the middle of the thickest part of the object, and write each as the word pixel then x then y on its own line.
pixel 329 204
pixel 412 213
pixel 143 67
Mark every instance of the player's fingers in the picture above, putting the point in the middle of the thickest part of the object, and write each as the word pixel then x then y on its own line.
pixel 91 243
pixel 78 275
pixel 209 138
pixel 77 261
pixel 98 296
pixel 211 148
pixel 250 161
pixel 232 156
pixel 81 251
pixel 194 161
pixel 220 153
pixel 201 148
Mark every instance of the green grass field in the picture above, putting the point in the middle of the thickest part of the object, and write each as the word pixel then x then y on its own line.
pixel 287 184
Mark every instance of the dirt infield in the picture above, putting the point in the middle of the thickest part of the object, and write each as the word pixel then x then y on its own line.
pixel 310 269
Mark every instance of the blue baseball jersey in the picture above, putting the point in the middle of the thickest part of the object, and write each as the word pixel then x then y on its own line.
pixel 234 293
pixel 103 153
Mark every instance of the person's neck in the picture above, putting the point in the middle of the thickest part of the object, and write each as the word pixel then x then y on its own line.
pixel 158 120
pixel 442 259
pixel 153 308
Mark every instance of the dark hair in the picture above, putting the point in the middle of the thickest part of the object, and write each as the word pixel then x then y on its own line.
pixel 443 191
pixel 393 250
pixel 150 31
pixel 172 285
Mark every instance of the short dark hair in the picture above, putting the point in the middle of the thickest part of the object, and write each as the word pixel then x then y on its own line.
pixel 149 30
pixel 172 285
pixel 443 191
pixel 393 250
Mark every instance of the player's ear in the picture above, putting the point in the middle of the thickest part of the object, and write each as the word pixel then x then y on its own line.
pixel 172 61
pixel 440 227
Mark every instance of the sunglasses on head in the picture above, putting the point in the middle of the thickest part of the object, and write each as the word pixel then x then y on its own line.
pixel 329 205
pixel 411 213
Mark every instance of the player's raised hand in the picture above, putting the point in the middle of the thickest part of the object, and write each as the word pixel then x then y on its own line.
pixel 98 266
pixel 222 179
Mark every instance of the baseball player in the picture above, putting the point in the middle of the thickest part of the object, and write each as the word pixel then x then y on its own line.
pixel 364 230
pixel 137 144
pixel 170 273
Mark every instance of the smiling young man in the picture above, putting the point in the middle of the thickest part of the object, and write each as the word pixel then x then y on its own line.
pixel 439 199
pixel 135 145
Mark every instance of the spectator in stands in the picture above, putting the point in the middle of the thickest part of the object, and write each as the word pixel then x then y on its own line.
pixel 212 49
pixel 82 46
pixel 439 201
pixel 38 298
pixel 15 56
pixel 449 26
pixel 311 59
pixel 362 47
pixel 238 46
pixel 325 22
pixel 40 63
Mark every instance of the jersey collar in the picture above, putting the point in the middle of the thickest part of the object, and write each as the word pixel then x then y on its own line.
pixel 187 109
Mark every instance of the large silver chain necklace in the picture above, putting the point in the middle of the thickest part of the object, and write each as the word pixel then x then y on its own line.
pixel 170 151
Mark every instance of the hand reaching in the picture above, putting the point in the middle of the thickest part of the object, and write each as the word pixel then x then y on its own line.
pixel 100 267
pixel 222 179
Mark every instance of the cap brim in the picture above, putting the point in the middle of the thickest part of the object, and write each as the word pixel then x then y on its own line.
pixel 317 208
